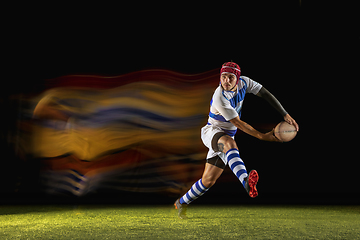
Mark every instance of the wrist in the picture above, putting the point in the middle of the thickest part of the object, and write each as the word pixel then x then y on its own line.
pixel 284 113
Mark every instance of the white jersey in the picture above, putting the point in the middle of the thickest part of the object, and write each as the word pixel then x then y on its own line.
pixel 226 105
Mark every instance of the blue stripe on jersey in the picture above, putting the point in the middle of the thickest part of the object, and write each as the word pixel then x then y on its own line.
pixel 234 102
pixel 236 99
pixel 217 117
pixel 244 84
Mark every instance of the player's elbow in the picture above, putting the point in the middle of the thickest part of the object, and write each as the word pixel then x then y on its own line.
pixel 237 123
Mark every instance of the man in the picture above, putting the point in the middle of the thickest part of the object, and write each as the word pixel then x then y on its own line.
pixel 218 134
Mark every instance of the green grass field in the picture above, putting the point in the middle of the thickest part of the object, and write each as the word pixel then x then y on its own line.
pixel 161 222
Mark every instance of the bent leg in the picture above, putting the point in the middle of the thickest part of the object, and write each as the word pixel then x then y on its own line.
pixel 228 145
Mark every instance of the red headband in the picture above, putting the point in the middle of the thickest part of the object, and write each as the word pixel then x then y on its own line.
pixel 231 67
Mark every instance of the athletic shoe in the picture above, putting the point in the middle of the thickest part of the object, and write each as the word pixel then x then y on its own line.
pixel 250 184
pixel 181 209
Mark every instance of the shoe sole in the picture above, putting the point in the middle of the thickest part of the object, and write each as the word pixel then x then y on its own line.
pixel 253 180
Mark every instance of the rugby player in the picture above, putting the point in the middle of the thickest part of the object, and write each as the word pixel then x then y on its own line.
pixel 218 134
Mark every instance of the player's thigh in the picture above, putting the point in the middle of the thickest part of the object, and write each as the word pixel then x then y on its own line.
pixel 225 143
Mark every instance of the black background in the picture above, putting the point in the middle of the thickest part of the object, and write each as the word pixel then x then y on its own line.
pixel 305 53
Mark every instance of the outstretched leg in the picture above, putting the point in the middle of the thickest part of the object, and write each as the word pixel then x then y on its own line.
pixel 209 177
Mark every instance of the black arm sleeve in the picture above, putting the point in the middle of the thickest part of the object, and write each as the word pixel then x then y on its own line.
pixel 265 94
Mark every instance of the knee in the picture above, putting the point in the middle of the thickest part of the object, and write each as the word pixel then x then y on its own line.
pixel 208 182
pixel 230 145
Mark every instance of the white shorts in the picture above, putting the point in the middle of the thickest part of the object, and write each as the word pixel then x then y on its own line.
pixel 207 134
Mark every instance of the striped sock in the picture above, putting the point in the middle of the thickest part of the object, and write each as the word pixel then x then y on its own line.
pixel 236 164
pixel 195 191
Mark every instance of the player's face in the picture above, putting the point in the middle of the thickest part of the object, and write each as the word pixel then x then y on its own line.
pixel 228 81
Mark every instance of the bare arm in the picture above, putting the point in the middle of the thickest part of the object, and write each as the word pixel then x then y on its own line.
pixel 243 126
